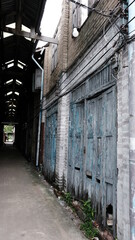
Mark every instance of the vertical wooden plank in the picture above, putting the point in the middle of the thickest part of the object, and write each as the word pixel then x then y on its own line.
pixel 90 149
pixel 99 153
pixel 78 149
pixel 93 168
pixel 110 157
pixel 50 145
pixel 71 147
pixel 76 144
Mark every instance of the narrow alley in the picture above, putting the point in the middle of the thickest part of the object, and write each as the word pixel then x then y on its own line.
pixel 67 107
pixel 28 209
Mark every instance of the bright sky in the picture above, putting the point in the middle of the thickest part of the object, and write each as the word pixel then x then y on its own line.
pixel 50 19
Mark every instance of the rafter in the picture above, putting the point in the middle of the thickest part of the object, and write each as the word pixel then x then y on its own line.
pixel 19 15
pixel 30 35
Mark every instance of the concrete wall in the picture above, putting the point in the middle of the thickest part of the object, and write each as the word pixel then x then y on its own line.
pixel 123 147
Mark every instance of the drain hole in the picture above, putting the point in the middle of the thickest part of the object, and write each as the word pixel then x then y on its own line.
pixel 109 214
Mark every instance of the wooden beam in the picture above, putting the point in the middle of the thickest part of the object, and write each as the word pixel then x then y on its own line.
pixel 30 35
pixel 19 15
pixel 7 14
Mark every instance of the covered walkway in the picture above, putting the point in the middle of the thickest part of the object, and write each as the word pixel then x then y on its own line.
pixel 28 210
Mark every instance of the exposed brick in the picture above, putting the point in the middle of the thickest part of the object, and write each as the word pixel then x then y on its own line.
pixel 78 58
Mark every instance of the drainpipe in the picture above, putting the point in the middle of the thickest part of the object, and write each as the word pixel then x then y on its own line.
pixel 40 113
pixel 131 74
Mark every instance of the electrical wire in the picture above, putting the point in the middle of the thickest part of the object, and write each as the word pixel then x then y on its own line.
pixel 94 45
pixel 129 5
pixel 116 7
pixel 96 54
pixel 87 63
pixel 94 57
pixel 93 48
pixel 83 80
pixel 129 21
pixel 90 60
pixel 92 9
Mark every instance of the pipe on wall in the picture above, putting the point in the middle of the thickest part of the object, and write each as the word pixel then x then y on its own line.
pixel 40 113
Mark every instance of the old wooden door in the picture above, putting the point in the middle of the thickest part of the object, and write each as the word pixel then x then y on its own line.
pixel 76 146
pixel 101 167
pixel 50 146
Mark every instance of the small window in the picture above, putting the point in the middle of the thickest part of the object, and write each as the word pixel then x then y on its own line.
pixel 81 11
pixel 84 12
pixel 10 65
pixel 18 82
pixel 54 56
pixel 29 39
pixel 12 105
pixel 9 61
pixel 5 34
pixel 26 29
pixel 8 82
pixel 9 93
pixel 17 93
pixel 20 65
pixel 11 25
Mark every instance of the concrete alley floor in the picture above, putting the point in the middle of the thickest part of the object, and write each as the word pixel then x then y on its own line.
pixel 28 210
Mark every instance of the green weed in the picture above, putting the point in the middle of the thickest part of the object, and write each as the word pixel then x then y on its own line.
pixel 68 198
pixel 89 230
pixel 87 226
pixel 88 210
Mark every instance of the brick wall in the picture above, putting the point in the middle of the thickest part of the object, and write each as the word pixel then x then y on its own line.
pixel 51 78
pixel 89 32
pixel 62 142
pixel 69 48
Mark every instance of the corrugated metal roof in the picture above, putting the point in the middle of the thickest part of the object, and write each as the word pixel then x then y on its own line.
pixel 17 48
pixel 7 6
pixel 31 10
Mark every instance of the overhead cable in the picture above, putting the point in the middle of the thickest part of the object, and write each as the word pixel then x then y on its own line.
pixel 92 9
pixel 96 54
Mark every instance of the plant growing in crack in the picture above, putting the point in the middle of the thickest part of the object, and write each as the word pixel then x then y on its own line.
pixel 68 198
pixel 87 226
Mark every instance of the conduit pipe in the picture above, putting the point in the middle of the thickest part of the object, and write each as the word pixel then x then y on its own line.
pixel 131 58
pixel 40 112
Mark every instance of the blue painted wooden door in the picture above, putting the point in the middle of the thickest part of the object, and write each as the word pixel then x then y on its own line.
pixel 50 146
pixel 92 166
pixel 94 151
pixel 100 162
pixel 76 134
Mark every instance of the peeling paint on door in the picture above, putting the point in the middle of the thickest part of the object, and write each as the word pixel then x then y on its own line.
pixel 76 143
pixel 50 144
pixel 92 167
